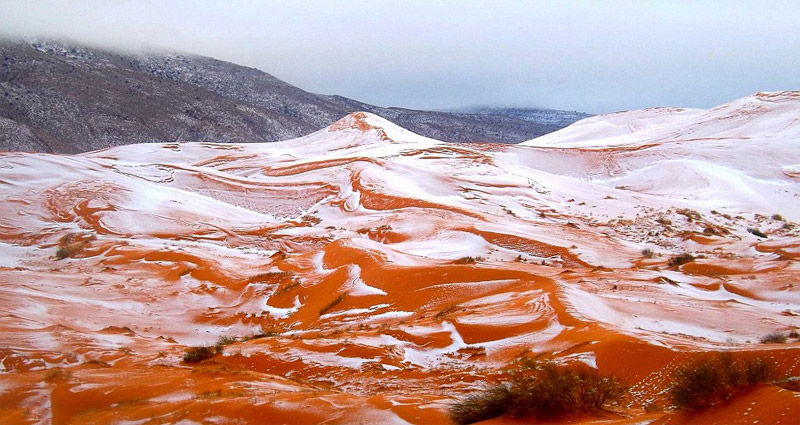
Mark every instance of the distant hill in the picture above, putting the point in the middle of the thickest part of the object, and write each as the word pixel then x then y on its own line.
pixel 553 117
pixel 63 98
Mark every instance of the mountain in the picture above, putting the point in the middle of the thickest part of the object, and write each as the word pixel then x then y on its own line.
pixel 366 274
pixel 56 97
pixel 553 117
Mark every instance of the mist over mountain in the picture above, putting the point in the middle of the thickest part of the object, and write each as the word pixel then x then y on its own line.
pixel 64 98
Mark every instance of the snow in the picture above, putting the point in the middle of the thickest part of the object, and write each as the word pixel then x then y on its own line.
pixel 183 229
pixel 358 287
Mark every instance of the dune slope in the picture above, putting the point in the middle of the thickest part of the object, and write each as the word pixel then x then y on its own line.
pixel 364 273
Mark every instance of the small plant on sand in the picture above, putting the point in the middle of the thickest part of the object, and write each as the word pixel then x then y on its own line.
pixel 680 259
pixel 198 354
pixel 446 311
pixel 57 374
pixel 773 338
pixel 336 301
pixel 468 260
pixel 757 232
pixel 71 244
pixel 664 221
pixel 481 406
pixel 648 253
pixel 68 250
pixel 704 383
pixel 226 340
pixel 541 391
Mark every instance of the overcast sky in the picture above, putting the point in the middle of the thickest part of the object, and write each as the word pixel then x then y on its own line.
pixel 595 56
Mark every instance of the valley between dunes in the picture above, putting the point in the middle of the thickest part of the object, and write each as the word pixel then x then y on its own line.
pixel 365 274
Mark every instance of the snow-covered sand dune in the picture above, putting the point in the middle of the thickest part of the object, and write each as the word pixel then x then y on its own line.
pixel 383 266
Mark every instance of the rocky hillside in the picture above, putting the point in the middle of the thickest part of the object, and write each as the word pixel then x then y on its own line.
pixel 61 98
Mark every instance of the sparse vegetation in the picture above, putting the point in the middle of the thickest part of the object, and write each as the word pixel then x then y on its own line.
pixel 664 221
pixel 226 340
pixel 777 217
pixel 71 244
pixel 680 260
pixel 705 383
pixel 332 304
pixel 468 260
pixel 446 311
pixel 540 391
pixel 68 251
pixel 57 374
pixel 773 338
pixel 691 215
pixel 198 354
pixel 484 405
pixel 648 253
pixel 264 333
pixel 757 232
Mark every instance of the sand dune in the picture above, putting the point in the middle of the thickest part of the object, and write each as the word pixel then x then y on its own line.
pixel 385 274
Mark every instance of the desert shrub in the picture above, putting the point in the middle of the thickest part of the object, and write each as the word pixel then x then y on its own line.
pixel 68 250
pixel 481 406
pixel 57 374
pixel 691 215
pixel 226 340
pixel 773 337
pixel 664 221
pixel 198 354
pixel 336 301
pixel 550 391
pixel 446 311
pixel 757 232
pixel 541 391
pixel 648 253
pixel 680 259
pixel 468 260
pixel 777 217
pixel 263 333
pixel 705 383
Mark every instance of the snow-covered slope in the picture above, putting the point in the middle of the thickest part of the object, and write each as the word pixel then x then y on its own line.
pixel 359 270
pixel 737 157
pixel 763 115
